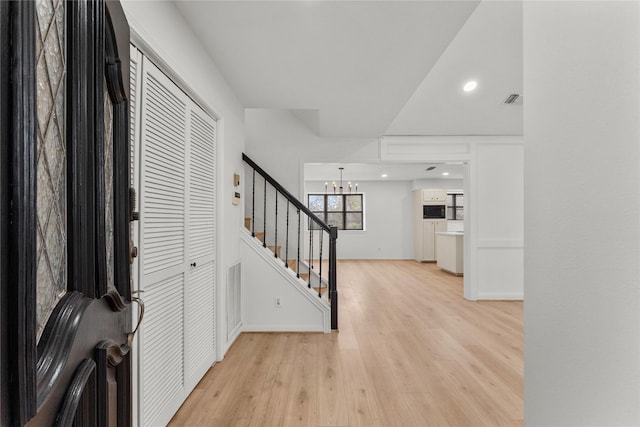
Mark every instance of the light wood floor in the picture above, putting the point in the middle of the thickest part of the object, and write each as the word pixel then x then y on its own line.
pixel 410 352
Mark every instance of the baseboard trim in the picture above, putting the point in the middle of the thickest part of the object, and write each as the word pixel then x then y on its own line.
pixel 282 328
pixel 501 296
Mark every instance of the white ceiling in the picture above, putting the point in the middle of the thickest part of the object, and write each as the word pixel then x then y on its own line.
pixel 488 49
pixel 358 172
pixel 371 68
pixel 350 66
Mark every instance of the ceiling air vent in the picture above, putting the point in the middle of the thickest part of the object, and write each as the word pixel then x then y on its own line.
pixel 512 98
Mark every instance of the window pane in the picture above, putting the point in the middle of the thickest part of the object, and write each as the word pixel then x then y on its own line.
pixel 336 219
pixel 314 225
pixel 334 203
pixel 460 200
pixel 459 213
pixel 450 212
pixel 354 221
pixel 354 203
pixel 316 202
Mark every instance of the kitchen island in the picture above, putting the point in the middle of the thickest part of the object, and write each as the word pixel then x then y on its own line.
pixel 449 251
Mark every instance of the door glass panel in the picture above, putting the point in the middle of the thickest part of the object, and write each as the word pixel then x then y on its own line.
pixel 108 184
pixel 51 199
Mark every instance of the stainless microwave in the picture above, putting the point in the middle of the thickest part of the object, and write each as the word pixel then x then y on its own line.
pixel 434 211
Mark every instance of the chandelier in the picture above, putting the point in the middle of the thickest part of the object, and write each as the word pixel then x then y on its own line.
pixel 341 188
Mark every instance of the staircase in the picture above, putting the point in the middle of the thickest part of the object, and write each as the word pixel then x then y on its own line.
pixel 302 270
pixel 304 245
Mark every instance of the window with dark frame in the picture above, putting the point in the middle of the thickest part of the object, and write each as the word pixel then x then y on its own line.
pixel 344 211
pixel 455 206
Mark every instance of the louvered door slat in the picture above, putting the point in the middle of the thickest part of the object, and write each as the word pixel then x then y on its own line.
pixel 200 326
pixel 177 245
pixel 164 130
pixel 162 247
pixel 162 346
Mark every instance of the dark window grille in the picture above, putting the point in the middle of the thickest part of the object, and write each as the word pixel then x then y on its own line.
pixel 344 211
pixel 455 206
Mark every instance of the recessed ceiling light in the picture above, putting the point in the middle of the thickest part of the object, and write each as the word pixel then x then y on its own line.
pixel 384 175
pixel 445 173
pixel 470 85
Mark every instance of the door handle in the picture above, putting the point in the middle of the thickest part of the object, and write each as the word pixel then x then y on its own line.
pixel 133 251
pixel 193 264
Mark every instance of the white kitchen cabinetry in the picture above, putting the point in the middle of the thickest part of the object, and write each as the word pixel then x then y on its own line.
pixel 424 230
pixel 434 196
pixel 429 229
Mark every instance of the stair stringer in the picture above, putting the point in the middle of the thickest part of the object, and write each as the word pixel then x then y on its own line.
pixel 264 278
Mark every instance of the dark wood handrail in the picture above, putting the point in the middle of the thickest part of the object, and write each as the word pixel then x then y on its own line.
pixel 332 231
pixel 289 196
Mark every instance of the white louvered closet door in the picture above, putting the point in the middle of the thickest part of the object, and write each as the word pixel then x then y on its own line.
pixel 177 246
pixel 163 261
pixel 200 291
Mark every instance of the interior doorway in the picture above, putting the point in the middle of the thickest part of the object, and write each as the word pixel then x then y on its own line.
pixel 389 209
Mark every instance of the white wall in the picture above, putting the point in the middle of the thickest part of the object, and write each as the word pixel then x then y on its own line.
pixel 160 32
pixel 582 224
pixel 441 184
pixel 264 278
pixel 281 144
pixel 388 222
pixel 497 223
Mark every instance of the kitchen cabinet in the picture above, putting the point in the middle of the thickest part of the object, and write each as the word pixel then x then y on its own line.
pixel 450 252
pixel 425 248
pixel 434 196
pixel 424 240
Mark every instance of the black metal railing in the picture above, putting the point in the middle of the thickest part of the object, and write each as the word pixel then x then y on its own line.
pixel 307 267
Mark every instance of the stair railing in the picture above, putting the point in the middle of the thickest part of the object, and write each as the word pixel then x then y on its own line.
pixel 308 268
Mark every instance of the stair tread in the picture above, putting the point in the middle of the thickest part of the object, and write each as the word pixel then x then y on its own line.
pixel 292 264
pixel 275 249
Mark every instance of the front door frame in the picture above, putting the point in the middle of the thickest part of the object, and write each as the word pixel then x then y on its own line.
pixel 40 382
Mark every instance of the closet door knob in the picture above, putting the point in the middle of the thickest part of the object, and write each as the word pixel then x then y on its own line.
pixel 193 264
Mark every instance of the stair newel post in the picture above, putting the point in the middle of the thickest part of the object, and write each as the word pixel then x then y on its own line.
pixel 275 247
pixel 310 250
pixel 299 240
pixel 320 273
pixel 286 245
pixel 253 205
pixel 264 230
pixel 333 289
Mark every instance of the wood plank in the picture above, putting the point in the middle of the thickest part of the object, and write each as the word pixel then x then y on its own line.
pixel 411 351
pixel 332 389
